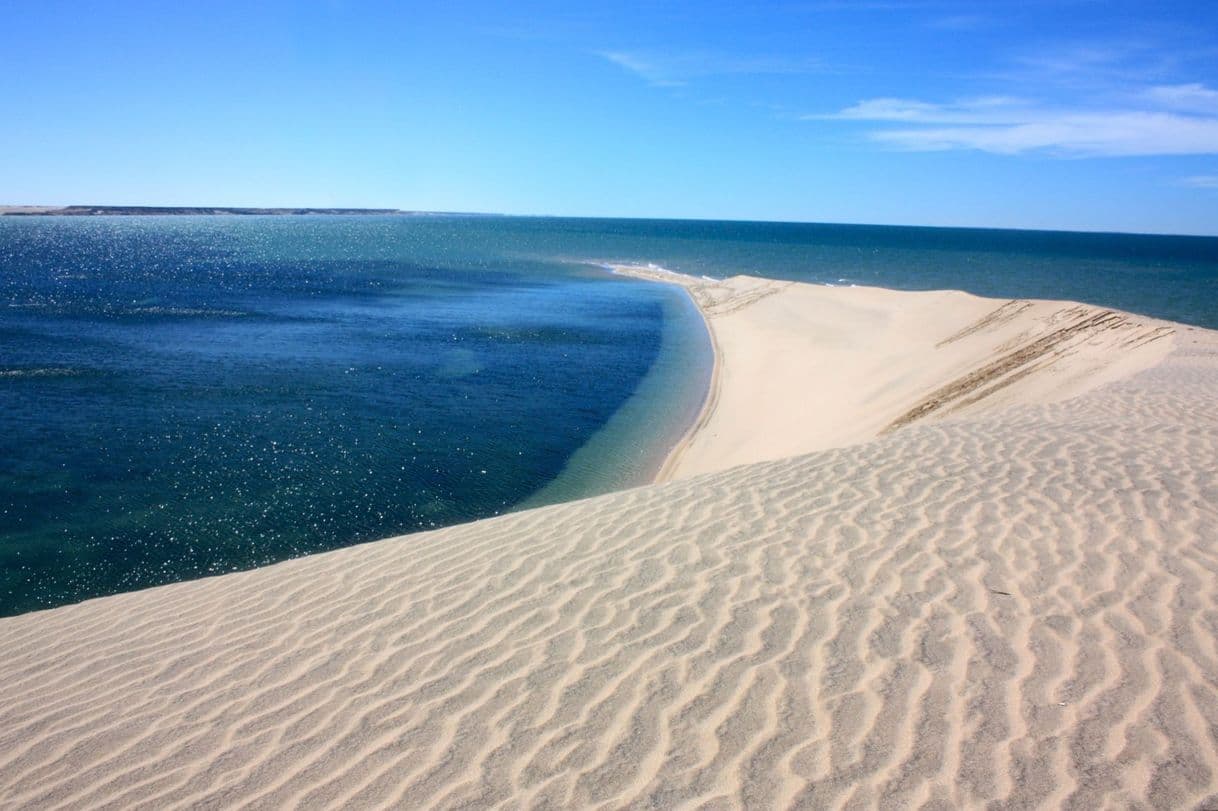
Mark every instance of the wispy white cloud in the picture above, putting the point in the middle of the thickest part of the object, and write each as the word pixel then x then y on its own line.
pixel 676 69
pixel 1194 97
pixel 1094 64
pixel 1078 58
pixel 1166 124
pixel 643 67
pixel 983 110
pixel 1200 181
pixel 1079 134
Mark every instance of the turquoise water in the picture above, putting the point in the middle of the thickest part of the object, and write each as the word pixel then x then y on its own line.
pixel 184 396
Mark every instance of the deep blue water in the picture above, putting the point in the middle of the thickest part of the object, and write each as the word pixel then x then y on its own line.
pixel 183 396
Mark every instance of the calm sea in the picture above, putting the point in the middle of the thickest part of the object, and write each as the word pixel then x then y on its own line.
pixel 184 396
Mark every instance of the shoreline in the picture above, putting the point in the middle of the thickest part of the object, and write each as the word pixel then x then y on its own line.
pixel 664 471
pixel 710 400
pixel 632 445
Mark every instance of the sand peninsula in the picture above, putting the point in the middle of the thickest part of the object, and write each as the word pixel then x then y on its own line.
pixel 806 367
pixel 922 550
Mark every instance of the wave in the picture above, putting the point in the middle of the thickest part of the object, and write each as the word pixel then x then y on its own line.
pixel 50 371
pixel 104 309
pixel 189 311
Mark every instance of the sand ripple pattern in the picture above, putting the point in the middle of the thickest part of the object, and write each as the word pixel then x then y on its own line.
pixel 1010 612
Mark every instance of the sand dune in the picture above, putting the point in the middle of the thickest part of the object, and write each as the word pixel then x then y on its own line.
pixel 804 367
pixel 1014 606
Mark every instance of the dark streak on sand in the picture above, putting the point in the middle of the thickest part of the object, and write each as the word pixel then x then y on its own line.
pixel 1083 323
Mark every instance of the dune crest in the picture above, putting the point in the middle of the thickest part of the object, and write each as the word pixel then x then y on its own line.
pixel 1016 606
pixel 806 367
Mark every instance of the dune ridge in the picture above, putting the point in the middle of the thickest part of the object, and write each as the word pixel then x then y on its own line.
pixel 803 367
pixel 1010 607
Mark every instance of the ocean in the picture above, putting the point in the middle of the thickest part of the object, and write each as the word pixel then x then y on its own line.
pixel 185 396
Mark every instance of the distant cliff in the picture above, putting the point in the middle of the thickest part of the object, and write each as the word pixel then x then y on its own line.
pixel 86 211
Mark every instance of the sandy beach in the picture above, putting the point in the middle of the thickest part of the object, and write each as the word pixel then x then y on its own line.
pixel 921 550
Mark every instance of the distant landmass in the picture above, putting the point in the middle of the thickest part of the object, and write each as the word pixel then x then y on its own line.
pixel 88 211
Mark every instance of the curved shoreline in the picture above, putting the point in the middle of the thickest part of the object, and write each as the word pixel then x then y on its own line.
pixel 709 402
pixel 664 472
pixel 632 445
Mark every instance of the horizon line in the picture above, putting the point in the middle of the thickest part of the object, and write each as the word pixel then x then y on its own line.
pixel 76 209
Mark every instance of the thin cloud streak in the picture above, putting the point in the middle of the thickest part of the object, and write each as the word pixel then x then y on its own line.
pixel 1200 182
pixel 641 67
pixel 1078 135
pixel 1193 97
pixel 984 110
pixel 1097 68
pixel 1010 126
pixel 677 69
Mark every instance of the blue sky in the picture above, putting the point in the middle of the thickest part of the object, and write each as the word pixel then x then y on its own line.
pixel 1071 114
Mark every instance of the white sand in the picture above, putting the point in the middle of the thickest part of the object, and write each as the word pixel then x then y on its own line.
pixel 802 367
pixel 1014 605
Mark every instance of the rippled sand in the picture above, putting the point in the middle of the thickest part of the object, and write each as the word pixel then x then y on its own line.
pixel 1016 607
